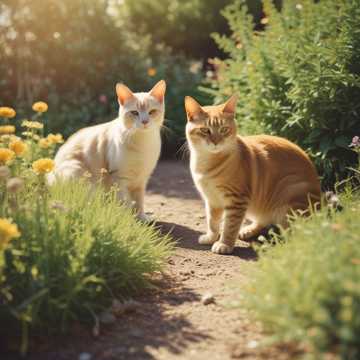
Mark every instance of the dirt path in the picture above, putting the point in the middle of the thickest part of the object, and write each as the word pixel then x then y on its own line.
pixel 172 323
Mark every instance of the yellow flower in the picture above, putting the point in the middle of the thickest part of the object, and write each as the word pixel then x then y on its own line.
pixel 43 166
pixel 6 155
pixel 40 106
pixel 264 20
pixel 32 124
pixel 7 129
pixel 151 71
pixel 18 147
pixel 55 139
pixel 7 112
pixel 8 230
pixel 44 143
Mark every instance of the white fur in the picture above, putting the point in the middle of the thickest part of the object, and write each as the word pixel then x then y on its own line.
pixel 131 152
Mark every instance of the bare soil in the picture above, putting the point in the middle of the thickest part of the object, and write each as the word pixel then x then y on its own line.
pixel 171 322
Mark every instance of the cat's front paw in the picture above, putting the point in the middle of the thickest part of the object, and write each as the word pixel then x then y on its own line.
pixel 145 218
pixel 221 248
pixel 207 239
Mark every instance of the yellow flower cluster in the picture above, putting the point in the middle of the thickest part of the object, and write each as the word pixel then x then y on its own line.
pixel 18 147
pixel 55 138
pixel 51 139
pixel 32 124
pixel 43 166
pixel 40 106
pixel 6 155
pixel 7 129
pixel 8 231
pixel 7 112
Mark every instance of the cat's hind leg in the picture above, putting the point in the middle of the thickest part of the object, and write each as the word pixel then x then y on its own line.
pixel 251 230
pixel 66 171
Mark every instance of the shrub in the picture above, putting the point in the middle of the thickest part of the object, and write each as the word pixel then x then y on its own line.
pixel 306 289
pixel 299 78
pixel 66 251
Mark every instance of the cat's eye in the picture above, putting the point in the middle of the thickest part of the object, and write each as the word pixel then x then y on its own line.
pixel 205 131
pixel 152 112
pixel 134 112
pixel 224 130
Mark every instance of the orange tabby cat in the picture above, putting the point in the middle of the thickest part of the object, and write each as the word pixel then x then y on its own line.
pixel 261 178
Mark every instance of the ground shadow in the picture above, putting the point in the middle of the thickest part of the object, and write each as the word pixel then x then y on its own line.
pixel 134 335
pixel 173 181
pixel 187 238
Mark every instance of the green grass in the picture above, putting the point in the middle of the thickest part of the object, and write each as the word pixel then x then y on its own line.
pixel 307 288
pixel 77 251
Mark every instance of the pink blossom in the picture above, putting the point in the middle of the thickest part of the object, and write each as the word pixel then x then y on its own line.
pixel 103 98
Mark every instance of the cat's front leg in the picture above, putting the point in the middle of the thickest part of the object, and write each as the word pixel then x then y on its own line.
pixel 213 216
pixel 137 196
pixel 234 216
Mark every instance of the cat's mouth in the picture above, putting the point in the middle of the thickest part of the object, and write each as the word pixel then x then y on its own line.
pixel 215 149
pixel 143 127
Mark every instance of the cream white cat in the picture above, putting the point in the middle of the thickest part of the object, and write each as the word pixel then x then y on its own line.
pixel 122 152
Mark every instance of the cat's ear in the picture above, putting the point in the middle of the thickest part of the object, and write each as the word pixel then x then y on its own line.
pixel 123 93
pixel 158 91
pixel 230 106
pixel 193 108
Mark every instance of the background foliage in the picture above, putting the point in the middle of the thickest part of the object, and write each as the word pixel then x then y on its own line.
pixel 53 53
pixel 71 54
pixel 299 78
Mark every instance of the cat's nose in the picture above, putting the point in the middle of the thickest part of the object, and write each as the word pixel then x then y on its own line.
pixel 145 122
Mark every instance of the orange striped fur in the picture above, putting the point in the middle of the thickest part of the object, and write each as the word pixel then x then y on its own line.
pixel 260 178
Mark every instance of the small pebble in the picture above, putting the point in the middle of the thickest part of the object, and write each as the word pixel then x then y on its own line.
pixel 252 344
pixel 85 356
pixel 208 299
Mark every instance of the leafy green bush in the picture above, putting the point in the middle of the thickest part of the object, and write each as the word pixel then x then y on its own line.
pixel 307 288
pixel 66 251
pixel 59 58
pixel 299 78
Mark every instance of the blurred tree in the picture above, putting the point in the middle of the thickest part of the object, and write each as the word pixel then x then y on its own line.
pixel 71 53
pixel 184 25
pixel 54 47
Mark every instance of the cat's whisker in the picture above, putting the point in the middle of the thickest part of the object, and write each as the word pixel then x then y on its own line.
pixel 167 131
pixel 183 151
